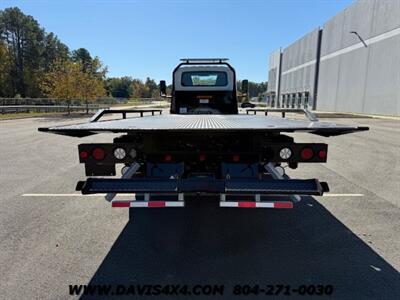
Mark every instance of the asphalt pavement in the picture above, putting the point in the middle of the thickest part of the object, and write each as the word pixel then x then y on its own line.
pixel 51 237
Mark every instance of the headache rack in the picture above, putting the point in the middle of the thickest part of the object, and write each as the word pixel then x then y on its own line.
pixel 203 60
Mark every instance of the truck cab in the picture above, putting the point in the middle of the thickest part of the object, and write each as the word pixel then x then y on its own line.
pixel 203 86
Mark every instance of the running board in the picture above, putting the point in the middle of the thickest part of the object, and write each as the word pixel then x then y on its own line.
pixel 203 185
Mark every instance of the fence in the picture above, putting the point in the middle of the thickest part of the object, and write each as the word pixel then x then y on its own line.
pixel 45 105
pixel 6 109
pixel 52 101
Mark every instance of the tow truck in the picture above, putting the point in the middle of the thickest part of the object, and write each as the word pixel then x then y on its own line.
pixel 204 147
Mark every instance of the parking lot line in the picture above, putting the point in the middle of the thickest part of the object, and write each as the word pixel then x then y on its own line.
pixel 61 195
pixel 342 195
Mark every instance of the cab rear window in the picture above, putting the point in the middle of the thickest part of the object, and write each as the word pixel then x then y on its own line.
pixel 204 78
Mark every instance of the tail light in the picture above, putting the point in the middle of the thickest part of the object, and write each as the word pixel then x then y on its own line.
pixel 322 154
pixel 168 157
pixel 98 153
pixel 202 157
pixel 83 154
pixel 307 153
pixel 236 158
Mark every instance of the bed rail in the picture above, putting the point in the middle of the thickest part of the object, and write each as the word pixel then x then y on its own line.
pixel 101 112
pixel 305 111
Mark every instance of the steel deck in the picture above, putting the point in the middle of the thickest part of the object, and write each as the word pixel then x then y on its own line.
pixel 190 123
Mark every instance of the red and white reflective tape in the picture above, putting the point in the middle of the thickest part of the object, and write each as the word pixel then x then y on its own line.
pixel 240 204
pixel 147 204
pixel 244 204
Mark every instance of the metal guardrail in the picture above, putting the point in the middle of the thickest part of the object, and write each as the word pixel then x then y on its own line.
pixel 61 101
pixel 48 108
pixel 27 105
pixel 46 101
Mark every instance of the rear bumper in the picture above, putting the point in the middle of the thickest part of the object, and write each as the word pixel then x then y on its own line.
pixel 203 185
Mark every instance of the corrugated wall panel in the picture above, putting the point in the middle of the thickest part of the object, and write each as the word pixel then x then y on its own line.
pixel 361 79
pixel 298 65
pixel 352 78
pixel 382 88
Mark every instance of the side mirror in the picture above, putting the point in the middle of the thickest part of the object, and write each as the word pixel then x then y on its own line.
pixel 163 88
pixel 245 86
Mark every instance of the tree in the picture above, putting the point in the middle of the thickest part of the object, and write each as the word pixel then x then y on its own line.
pixel 31 49
pixel 126 87
pixel 24 40
pixel 92 66
pixel 148 89
pixel 255 89
pixel 66 80
pixel 139 90
pixel 83 57
pixel 54 50
pixel 6 89
pixel 152 88
pixel 119 87
pixel 98 69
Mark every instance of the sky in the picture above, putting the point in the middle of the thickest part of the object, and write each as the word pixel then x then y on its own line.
pixel 146 38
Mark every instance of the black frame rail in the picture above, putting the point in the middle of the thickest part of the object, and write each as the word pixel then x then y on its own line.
pixel 310 116
pixel 101 112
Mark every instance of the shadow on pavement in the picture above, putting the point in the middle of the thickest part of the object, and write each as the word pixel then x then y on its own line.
pixel 203 244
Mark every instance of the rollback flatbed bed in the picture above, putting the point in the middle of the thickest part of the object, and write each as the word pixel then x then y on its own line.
pixel 204 147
